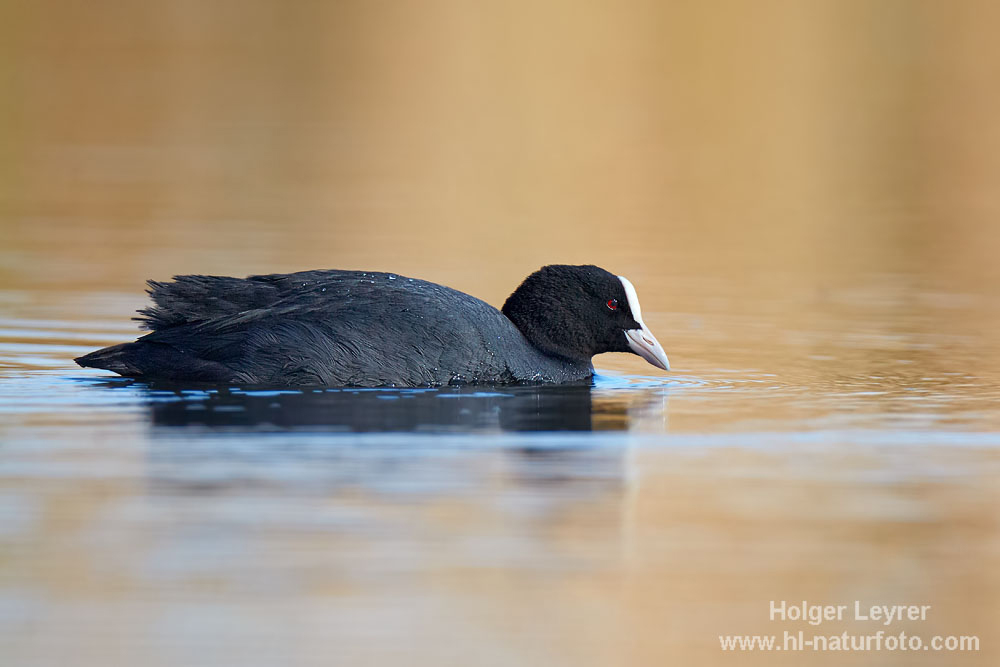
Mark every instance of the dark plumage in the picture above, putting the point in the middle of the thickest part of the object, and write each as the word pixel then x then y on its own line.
pixel 353 328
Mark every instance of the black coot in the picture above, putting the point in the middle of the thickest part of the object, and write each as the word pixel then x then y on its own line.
pixel 354 328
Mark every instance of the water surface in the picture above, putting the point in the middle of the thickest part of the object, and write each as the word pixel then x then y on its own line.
pixel 804 196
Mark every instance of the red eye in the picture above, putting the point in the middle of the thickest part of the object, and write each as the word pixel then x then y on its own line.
pixel 613 304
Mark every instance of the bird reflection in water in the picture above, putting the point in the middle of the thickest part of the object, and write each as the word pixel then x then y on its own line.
pixel 331 438
pixel 562 443
pixel 451 409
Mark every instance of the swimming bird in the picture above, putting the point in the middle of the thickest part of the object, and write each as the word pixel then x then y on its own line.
pixel 359 328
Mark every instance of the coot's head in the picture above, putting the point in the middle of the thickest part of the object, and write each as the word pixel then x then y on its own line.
pixel 579 311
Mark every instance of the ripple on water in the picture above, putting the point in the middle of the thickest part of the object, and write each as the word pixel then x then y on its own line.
pixel 604 379
pixel 41 344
